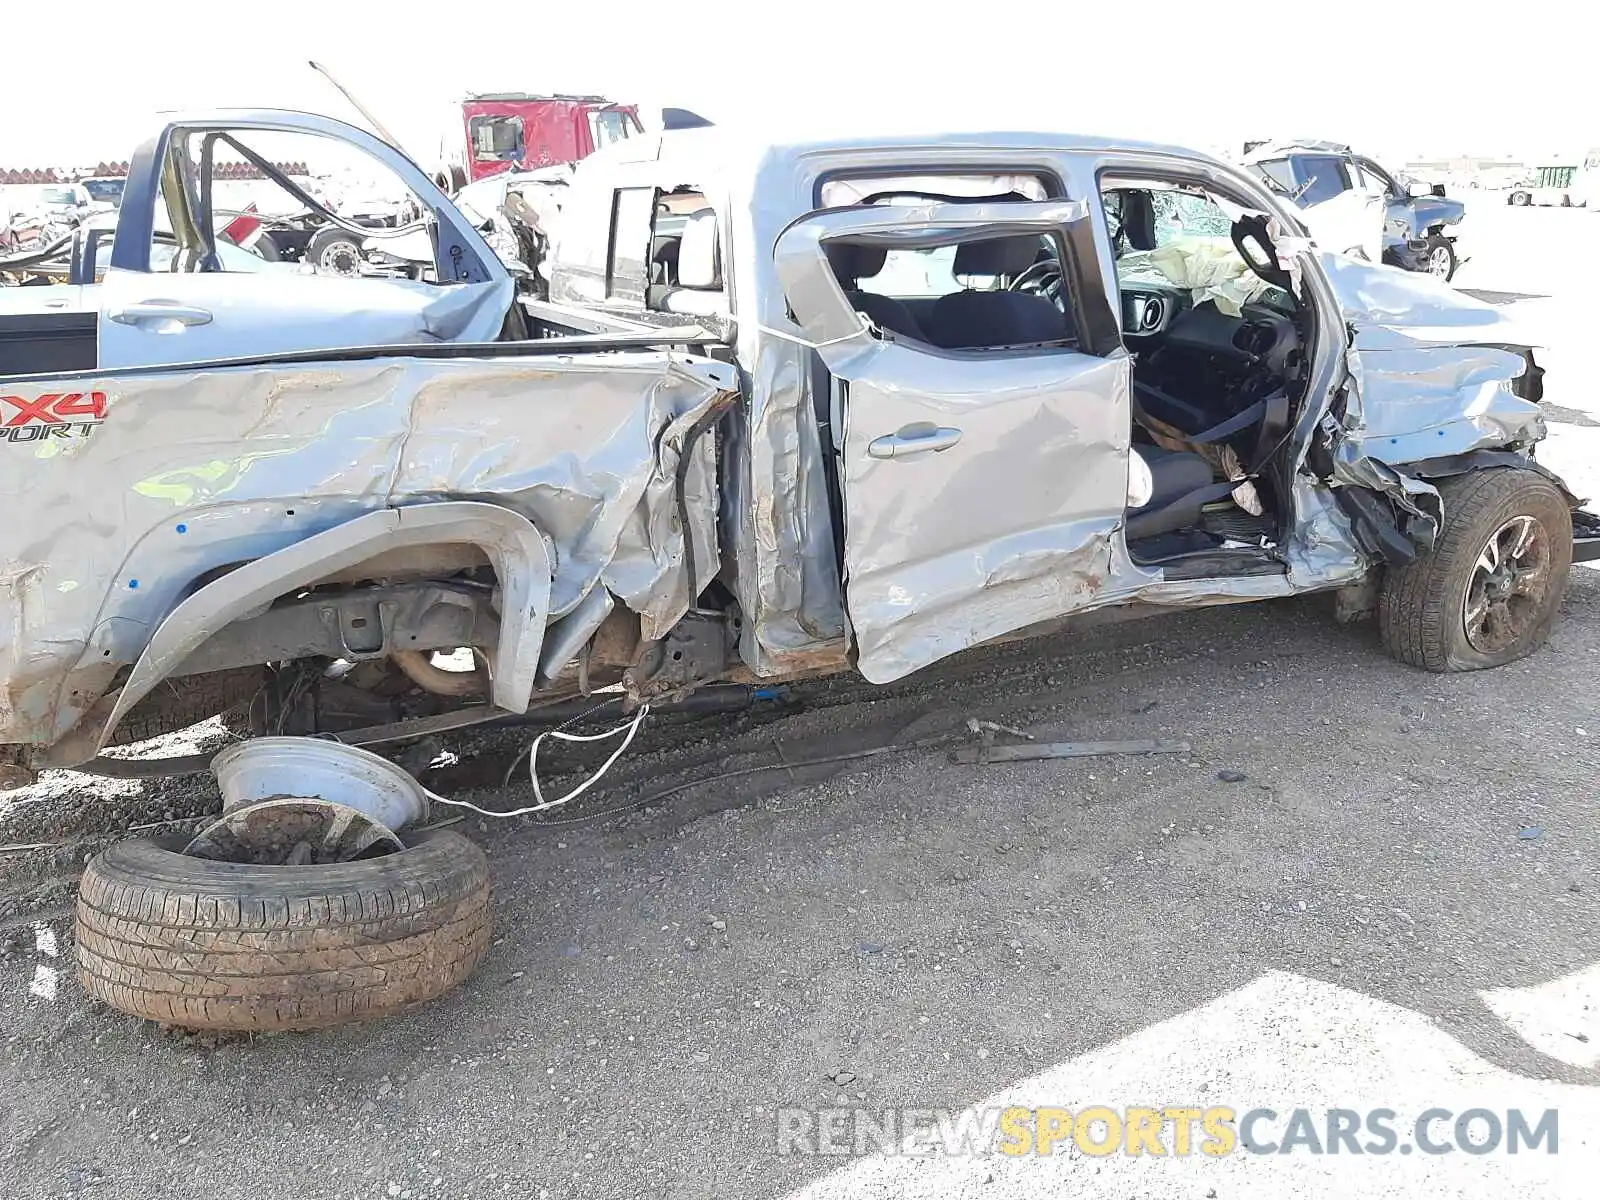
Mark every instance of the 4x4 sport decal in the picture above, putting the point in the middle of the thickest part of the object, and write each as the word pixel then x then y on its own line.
pixel 51 415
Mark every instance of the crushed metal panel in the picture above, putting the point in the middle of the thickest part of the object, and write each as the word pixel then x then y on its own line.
pixel 1430 373
pixel 1430 400
pixel 190 470
pixel 947 549
pixel 1390 309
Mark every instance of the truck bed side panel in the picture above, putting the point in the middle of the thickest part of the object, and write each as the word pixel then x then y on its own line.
pixel 121 492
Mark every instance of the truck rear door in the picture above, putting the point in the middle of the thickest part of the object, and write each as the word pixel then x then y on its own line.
pixel 984 414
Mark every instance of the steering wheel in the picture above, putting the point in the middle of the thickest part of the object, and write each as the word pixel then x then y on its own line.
pixel 1045 279
pixel 1251 240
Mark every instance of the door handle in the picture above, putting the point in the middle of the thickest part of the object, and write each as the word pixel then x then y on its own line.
pixel 921 438
pixel 143 312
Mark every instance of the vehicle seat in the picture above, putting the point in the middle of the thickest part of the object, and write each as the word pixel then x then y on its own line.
pixel 968 319
pixel 1175 477
pixel 851 264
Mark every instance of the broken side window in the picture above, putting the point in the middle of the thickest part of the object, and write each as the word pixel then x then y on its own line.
pixel 1279 172
pixel 1322 178
pixel 630 242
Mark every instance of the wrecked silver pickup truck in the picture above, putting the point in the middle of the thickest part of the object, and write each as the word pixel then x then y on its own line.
pixel 849 405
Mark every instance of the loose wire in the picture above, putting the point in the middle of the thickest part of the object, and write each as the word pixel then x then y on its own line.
pixel 630 728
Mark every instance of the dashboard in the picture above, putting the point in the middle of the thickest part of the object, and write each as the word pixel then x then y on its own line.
pixel 1155 315
pixel 1149 309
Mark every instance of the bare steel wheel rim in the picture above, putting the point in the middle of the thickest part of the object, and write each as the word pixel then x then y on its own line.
pixel 1439 262
pixel 339 258
pixel 1506 595
pixel 293 831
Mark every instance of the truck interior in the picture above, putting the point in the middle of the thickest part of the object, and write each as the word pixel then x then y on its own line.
pixel 1216 338
pixel 1218 342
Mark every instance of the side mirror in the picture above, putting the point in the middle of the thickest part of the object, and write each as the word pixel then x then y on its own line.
pixel 699 262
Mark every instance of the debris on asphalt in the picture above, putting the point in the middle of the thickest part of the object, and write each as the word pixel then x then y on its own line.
pixel 1528 832
pixel 974 725
pixel 1232 776
pixel 990 753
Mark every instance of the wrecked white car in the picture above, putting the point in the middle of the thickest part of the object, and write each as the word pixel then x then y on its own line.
pixel 859 406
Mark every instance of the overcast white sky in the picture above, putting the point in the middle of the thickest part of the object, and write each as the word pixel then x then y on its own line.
pixel 1396 79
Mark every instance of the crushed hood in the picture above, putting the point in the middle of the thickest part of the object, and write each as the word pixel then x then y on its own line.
pixel 1388 308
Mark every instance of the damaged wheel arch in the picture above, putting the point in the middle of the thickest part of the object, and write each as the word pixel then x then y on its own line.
pixel 514 546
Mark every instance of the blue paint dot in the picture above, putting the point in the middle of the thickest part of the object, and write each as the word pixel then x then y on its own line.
pixel 183 529
pixel 1441 433
pixel 133 583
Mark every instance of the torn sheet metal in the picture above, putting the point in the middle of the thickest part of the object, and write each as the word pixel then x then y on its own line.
pixel 191 470
pixel 1400 309
pixel 1431 373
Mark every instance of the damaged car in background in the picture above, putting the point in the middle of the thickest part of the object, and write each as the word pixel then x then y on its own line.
pixel 1357 207
pixel 788 410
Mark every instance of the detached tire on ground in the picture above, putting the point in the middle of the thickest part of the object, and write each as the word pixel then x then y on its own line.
pixel 1490 590
pixel 214 945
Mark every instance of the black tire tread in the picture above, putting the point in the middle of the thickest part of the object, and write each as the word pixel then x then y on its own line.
pixel 1417 610
pixel 204 945
pixel 179 703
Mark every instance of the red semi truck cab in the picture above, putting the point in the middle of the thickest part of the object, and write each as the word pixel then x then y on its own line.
pixel 513 130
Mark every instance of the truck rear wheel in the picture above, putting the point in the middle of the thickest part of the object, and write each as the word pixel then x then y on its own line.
pixel 332 251
pixel 201 944
pixel 1489 591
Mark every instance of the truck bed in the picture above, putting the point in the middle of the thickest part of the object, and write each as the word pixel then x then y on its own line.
pixel 126 491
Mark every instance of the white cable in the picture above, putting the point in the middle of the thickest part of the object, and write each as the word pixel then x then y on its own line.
pixel 631 728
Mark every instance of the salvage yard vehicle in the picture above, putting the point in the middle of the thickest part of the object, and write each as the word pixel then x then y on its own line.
pixel 1354 205
pixel 515 131
pixel 848 405
pixel 1562 186
pixel 160 303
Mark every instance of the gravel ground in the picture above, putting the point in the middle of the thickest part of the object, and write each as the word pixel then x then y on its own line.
pixel 1364 882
